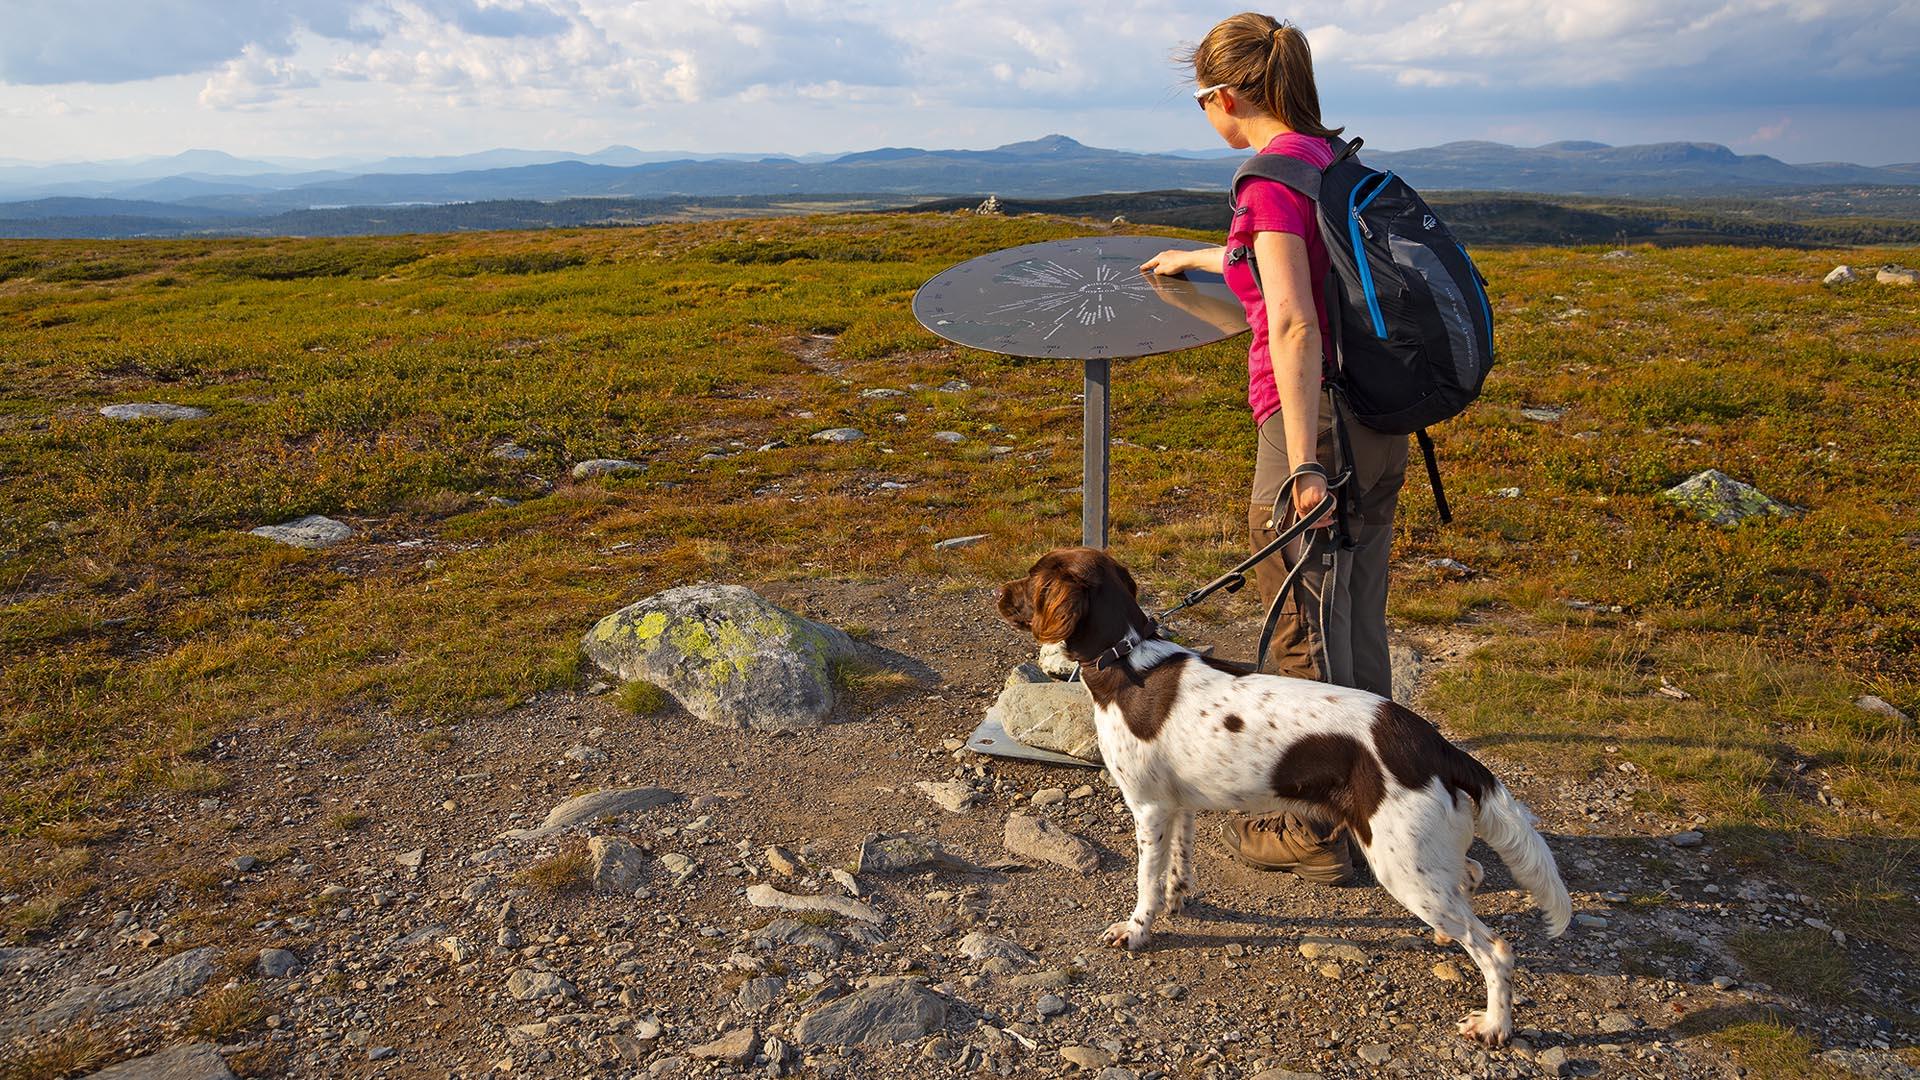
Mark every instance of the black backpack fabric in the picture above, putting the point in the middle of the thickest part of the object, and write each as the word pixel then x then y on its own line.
pixel 1413 331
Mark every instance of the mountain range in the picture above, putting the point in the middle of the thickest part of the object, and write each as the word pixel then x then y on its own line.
pixel 209 190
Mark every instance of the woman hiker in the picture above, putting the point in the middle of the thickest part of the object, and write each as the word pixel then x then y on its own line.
pixel 1255 78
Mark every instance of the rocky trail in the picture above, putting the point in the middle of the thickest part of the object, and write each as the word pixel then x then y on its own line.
pixel 843 901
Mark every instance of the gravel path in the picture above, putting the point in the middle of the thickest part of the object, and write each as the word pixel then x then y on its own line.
pixel 419 942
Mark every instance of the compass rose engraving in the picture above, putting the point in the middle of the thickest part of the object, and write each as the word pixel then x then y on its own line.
pixel 1071 297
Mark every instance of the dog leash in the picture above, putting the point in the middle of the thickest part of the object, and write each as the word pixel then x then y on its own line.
pixel 1236 579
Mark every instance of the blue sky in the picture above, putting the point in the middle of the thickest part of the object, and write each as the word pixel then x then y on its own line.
pixel 1803 80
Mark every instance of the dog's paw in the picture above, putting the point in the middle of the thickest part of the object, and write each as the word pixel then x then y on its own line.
pixel 1179 896
pixel 1475 875
pixel 1484 1030
pixel 1128 935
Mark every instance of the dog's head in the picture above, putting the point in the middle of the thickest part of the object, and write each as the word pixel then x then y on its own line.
pixel 1079 596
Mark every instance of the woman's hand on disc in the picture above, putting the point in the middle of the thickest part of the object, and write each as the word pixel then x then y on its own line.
pixel 1171 261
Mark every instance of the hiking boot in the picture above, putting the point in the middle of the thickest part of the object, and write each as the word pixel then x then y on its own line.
pixel 1285 842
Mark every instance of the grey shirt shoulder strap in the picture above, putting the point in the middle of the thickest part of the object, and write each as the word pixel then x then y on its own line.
pixel 1299 175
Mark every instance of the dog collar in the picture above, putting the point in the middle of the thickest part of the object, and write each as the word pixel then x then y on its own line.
pixel 1128 642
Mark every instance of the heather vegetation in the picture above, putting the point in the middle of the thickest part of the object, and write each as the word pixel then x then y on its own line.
pixel 372 379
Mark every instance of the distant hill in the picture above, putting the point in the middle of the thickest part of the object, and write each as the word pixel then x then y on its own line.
pixel 1808 219
pixel 1054 167
pixel 1479 217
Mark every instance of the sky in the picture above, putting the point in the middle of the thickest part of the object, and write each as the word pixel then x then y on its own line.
pixel 1802 80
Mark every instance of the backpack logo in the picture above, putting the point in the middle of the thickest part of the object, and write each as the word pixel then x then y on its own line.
pixel 1428 222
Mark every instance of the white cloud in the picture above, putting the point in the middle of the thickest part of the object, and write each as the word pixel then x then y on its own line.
pixel 253 78
pixel 812 74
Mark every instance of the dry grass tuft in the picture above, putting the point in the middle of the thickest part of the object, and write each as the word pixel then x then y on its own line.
pixel 227 1012
pixel 75 1051
pixel 1804 963
pixel 641 698
pixel 567 870
pixel 343 739
pixel 863 685
pixel 1764 1044
pixel 347 820
pixel 195 778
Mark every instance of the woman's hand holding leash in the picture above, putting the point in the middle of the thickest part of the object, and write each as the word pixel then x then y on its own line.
pixel 1309 488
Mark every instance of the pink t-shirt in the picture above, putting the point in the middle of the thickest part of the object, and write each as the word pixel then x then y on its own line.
pixel 1270 206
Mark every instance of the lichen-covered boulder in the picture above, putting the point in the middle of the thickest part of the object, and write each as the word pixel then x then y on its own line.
pixel 727 654
pixel 1714 496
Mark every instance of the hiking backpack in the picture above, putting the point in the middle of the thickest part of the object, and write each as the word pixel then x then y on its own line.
pixel 1412 329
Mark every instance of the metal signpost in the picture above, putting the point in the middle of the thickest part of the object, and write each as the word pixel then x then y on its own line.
pixel 1084 299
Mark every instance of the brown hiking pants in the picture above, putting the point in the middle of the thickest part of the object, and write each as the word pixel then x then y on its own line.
pixel 1334 627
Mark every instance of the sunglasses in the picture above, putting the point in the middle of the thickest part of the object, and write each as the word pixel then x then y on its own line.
pixel 1201 95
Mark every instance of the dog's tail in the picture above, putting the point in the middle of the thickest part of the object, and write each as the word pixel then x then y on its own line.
pixel 1507 827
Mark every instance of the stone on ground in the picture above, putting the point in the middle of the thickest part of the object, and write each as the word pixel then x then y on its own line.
pixel 314 531
pixel 1086 1057
pixel 1033 837
pixel 595 805
pixel 188 1061
pixel 897 1012
pixel 891 853
pixel 757 994
pixel 527 985
pixel 1055 716
pixel 1839 275
pixel 1714 496
pixel 953 796
pixel 1877 705
pixel 1320 948
pixel 736 1047
pixel 171 979
pixel 801 935
pixel 21 959
pixel 728 655
pixel 587 470
pixel 977 947
pixel 781 861
pixel 1897 275
pixel 1405 663
pixel 766 896
pixel 274 963
pixel 838 435
pixel 618 866
pixel 151 410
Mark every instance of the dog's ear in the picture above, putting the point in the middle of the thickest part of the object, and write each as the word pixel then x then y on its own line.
pixel 1057 612
pixel 1016 603
pixel 1127 580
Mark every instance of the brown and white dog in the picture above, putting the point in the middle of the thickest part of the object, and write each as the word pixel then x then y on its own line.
pixel 1182 733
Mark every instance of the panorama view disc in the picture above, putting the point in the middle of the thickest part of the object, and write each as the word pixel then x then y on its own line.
pixel 1080 299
